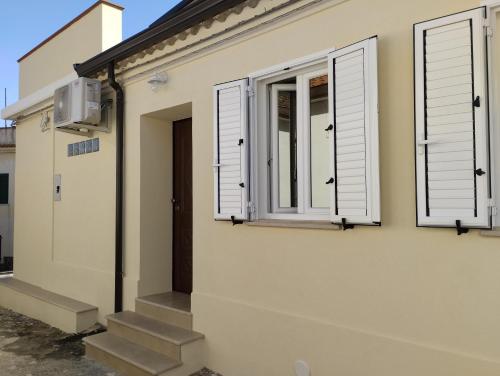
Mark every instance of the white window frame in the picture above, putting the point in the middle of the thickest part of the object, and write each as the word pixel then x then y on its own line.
pixel 307 140
pixel 259 126
pixel 274 150
pixel 492 8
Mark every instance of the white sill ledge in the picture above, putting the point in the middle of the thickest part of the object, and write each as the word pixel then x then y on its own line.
pixel 318 225
pixel 491 233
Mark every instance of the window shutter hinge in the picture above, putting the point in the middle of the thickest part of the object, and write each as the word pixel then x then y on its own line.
pixel 251 207
pixel 487 27
pixel 492 206
pixel 236 221
pixel 460 230
pixel 250 91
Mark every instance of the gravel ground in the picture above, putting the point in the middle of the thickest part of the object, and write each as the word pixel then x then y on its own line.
pixel 31 348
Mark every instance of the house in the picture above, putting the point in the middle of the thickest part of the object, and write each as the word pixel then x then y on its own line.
pixel 7 169
pixel 275 187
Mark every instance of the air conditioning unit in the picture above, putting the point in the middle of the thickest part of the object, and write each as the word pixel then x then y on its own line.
pixel 77 106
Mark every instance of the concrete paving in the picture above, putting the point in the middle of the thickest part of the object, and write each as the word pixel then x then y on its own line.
pixel 31 348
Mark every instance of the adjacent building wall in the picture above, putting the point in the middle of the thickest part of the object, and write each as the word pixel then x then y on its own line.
pixel 82 38
pixel 7 166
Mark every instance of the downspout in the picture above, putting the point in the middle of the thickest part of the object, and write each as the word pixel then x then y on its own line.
pixel 119 187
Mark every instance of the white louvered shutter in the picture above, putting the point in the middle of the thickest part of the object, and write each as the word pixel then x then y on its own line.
pixel 230 148
pixel 353 84
pixel 451 121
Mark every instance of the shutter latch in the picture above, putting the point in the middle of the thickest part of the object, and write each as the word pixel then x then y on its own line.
pixel 422 142
pixel 330 181
pixel 250 91
pixel 477 102
pixel 460 230
pixel 330 127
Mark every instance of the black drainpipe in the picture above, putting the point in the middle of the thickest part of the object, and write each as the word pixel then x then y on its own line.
pixel 119 187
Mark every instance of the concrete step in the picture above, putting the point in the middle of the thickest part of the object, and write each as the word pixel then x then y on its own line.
pixel 67 314
pixel 173 308
pixel 150 333
pixel 127 357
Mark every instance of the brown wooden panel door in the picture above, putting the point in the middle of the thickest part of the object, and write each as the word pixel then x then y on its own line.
pixel 182 202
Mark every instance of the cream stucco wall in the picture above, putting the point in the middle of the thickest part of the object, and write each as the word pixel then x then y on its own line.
pixel 67 246
pixel 97 31
pixel 156 209
pixel 394 300
pixel 381 301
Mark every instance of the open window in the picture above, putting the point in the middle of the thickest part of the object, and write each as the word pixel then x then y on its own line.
pixel 311 141
pixel 291 144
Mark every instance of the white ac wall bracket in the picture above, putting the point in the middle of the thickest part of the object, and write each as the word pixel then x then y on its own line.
pixel 88 130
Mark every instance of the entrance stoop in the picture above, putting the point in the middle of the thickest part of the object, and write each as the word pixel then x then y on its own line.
pixel 173 308
pixel 157 339
pixel 67 314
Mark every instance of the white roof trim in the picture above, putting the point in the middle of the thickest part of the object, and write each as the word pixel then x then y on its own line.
pixel 490 3
pixel 295 63
pixel 15 110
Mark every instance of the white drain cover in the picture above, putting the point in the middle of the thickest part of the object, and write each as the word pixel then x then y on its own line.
pixel 302 368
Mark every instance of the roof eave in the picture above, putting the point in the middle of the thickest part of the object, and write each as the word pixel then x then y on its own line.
pixel 151 36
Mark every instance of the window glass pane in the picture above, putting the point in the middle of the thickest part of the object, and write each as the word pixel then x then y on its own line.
pixel 287 149
pixel 320 152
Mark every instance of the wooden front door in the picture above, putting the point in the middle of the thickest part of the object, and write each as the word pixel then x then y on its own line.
pixel 182 202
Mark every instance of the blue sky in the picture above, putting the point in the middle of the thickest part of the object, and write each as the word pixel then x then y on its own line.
pixel 25 23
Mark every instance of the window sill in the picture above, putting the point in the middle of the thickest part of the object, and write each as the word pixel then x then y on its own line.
pixel 318 225
pixel 491 233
